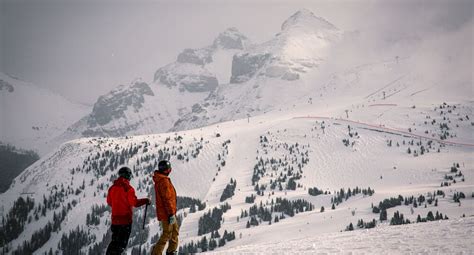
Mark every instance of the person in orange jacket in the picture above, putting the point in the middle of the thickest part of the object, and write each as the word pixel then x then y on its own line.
pixel 121 197
pixel 165 194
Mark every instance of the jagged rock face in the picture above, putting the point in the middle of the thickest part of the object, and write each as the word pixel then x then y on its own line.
pixel 197 108
pixel 200 83
pixel 194 71
pixel 187 77
pixel 5 86
pixel 197 117
pixel 245 66
pixel 191 71
pixel 109 132
pixel 113 105
pixel 301 46
pixel 195 56
pixel 231 39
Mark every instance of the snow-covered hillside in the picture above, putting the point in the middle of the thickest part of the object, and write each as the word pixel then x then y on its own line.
pixel 446 237
pixel 284 154
pixel 31 116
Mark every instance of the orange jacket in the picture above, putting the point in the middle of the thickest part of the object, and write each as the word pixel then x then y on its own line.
pixel 121 197
pixel 165 194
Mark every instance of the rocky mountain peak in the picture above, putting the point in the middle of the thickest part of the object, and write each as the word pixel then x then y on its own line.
pixel 5 86
pixel 114 104
pixel 304 18
pixel 231 38
pixel 195 56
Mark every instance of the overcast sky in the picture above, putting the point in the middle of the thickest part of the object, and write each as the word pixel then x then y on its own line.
pixel 82 49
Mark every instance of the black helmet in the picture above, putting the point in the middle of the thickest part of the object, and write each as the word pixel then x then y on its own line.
pixel 164 166
pixel 125 172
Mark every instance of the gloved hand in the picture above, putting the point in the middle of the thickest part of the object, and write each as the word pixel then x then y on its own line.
pixel 148 201
pixel 171 219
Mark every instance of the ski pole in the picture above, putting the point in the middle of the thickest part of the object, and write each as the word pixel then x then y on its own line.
pixel 144 217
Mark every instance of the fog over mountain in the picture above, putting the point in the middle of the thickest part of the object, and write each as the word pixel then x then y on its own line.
pixel 82 49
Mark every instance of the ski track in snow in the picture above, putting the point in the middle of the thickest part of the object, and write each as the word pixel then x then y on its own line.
pixel 383 128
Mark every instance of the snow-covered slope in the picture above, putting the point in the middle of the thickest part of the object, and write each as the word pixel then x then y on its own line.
pixel 447 237
pixel 31 116
pixel 306 145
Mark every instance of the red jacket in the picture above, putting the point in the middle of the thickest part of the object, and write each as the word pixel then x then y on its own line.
pixel 122 199
pixel 165 194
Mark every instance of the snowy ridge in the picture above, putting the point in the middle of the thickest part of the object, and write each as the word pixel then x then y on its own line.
pixel 32 115
pixel 231 38
pixel 306 19
pixel 303 44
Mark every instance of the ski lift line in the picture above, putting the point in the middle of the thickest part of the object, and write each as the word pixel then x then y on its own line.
pixel 386 86
pixel 396 92
pixel 386 132
pixel 27 193
pixel 389 129
pixel 375 63
pixel 423 90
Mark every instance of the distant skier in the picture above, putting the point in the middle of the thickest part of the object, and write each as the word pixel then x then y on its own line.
pixel 121 197
pixel 165 209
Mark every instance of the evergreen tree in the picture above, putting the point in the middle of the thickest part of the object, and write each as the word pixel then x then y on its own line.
pixel 383 215
pixel 350 227
pixel 204 244
pixel 212 244
pixel 229 190
pixel 429 216
pixel 222 242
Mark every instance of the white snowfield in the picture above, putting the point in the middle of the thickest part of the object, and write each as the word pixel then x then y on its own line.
pixel 443 237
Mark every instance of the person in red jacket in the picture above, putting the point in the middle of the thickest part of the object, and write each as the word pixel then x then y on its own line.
pixel 165 194
pixel 121 197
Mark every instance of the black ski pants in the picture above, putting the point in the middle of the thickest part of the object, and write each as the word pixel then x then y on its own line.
pixel 120 235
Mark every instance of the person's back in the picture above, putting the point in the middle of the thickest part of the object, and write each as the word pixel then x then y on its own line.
pixel 165 194
pixel 121 197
